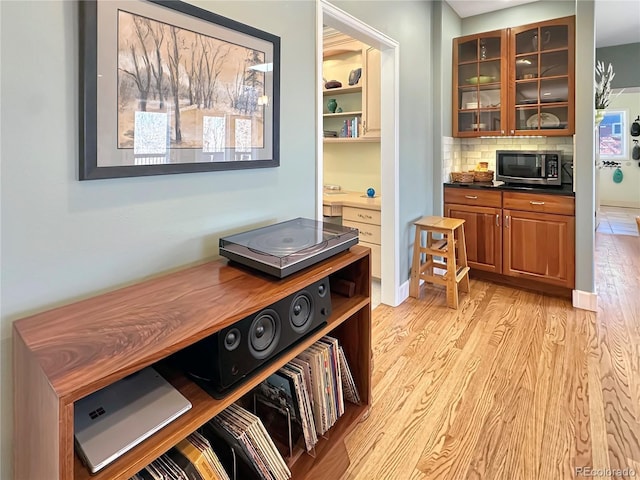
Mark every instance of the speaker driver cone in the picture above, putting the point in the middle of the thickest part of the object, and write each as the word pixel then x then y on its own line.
pixel 264 333
pixel 301 312
pixel 232 339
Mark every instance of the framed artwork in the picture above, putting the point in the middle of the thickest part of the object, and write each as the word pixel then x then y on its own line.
pixel 167 87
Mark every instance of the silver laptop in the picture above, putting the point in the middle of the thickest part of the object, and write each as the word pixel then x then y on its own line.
pixel 113 420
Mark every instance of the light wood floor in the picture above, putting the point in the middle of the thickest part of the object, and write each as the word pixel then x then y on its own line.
pixel 514 385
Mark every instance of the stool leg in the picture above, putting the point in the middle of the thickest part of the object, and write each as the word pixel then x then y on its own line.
pixel 428 259
pixel 414 282
pixel 462 253
pixel 452 285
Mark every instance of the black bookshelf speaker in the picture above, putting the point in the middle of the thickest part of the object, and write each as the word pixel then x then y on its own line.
pixel 224 359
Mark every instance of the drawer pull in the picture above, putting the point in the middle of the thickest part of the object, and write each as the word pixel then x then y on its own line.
pixel 536 203
pixel 362 215
pixel 471 197
pixel 368 234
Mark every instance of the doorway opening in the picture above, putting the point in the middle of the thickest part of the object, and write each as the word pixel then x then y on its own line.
pixel 331 16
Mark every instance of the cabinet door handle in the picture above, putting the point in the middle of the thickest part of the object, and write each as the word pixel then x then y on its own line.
pixel 536 203
pixel 497 220
pixel 512 132
pixel 472 197
pixel 506 221
pixel 501 132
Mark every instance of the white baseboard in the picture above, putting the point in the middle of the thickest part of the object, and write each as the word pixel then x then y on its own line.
pixel 585 300
pixel 403 293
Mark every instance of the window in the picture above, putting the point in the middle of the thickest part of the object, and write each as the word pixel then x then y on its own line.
pixel 612 138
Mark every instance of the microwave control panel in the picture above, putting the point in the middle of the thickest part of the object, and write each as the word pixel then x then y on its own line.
pixel 552 168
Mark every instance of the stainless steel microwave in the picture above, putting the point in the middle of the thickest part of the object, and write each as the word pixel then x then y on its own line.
pixel 529 167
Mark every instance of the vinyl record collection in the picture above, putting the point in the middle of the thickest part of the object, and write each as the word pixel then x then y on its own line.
pixel 191 459
pixel 309 392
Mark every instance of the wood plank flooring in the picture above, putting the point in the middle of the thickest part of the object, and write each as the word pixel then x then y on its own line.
pixel 513 385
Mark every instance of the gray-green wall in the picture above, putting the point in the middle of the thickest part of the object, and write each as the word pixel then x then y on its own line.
pixel 625 60
pixel 63 239
pixel 520 15
pixel 446 25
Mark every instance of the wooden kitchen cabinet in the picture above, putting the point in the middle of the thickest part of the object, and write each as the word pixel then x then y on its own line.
pixel 541 78
pixel 515 81
pixel 539 246
pixel 526 235
pixel 482 212
pixel 483 235
pixel 479 80
pixel 539 237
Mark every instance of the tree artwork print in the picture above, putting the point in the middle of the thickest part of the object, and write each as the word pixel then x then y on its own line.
pixel 178 89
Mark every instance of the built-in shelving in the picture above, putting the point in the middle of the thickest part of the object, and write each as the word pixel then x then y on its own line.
pixel 343 114
pixel 342 90
pixel 351 140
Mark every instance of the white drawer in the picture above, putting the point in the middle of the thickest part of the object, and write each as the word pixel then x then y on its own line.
pixel 368 233
pixel 375 258
pixel 361 215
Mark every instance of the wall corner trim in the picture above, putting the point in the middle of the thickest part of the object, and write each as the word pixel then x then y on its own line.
pixel 585 300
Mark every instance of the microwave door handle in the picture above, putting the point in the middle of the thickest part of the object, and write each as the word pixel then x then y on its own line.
pixel 543 161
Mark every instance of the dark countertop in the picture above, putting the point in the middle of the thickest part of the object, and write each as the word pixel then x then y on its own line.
pixel 561 190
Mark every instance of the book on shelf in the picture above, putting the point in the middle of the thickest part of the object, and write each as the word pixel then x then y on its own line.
pixel 355 121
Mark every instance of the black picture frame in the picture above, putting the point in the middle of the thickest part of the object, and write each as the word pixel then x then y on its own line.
pixel 231 105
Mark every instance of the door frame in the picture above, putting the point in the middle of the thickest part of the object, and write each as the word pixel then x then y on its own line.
pixel 328 14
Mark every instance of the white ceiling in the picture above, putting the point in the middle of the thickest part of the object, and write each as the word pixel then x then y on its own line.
pixel 617 21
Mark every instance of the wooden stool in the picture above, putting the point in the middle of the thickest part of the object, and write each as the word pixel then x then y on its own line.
pixel 457 270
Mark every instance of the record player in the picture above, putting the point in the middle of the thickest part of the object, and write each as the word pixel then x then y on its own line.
pixel 287 247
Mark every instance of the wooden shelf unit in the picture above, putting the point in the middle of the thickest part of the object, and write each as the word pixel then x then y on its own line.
pixel 351 140
pixel 356 113
pixel 338 91
pixel 67 353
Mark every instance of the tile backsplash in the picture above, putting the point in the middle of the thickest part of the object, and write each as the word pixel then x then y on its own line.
pixel 464 154
pixel 450 157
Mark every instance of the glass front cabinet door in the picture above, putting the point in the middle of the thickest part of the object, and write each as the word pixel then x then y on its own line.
pixel 479 77
pixel 541 99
